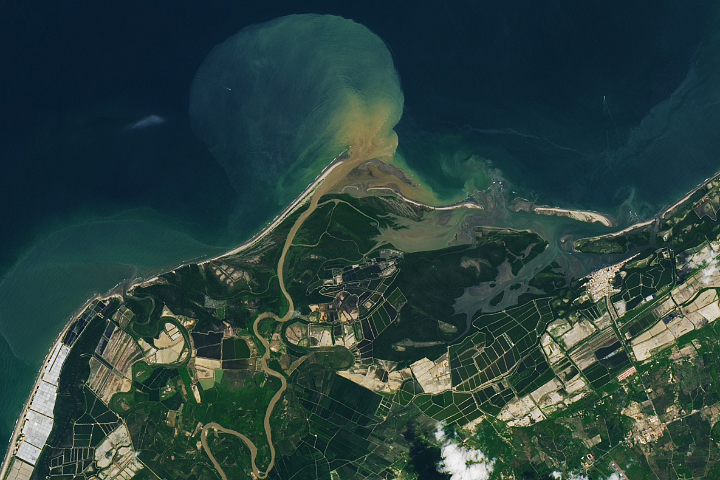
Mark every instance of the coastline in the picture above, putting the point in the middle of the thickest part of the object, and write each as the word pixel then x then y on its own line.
pixel 669 211
pixel 302 199
pixel 289 210
pixel 631 228
pixel 304 196
pixel 454 206
pixel 586 216
pixel 23 414
pixel 663 214
pixel 299 201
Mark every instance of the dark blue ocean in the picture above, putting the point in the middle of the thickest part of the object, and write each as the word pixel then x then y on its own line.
pixel 611 106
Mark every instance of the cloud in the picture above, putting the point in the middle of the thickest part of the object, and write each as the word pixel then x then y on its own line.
pixel 707 260
pixel 147 122
pixel 460 462
pixel 571 476
pixel 577 476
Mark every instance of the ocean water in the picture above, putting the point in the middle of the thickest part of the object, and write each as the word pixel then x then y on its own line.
pixel 581 105
pixel 55 278
pixel 593 106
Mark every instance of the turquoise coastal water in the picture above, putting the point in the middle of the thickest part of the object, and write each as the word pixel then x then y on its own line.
pixel 55 278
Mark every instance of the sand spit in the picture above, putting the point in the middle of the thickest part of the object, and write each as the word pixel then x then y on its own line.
pixel 395 192
pixel 654 222
pixel 587 216
pixel 630 229
pixel 303 198
pixel 579 215
pixel 671 210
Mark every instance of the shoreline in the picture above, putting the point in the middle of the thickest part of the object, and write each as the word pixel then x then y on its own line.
pixel 663 214
pixel 17 430
pixel 454 206
pixel 302 199
pixel 631 228
pixel 299 201
pixel 304 196
pixel 660 216
pixel 586 216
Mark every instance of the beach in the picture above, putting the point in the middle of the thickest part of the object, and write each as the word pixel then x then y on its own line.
pixel 21 418
pixel 579 215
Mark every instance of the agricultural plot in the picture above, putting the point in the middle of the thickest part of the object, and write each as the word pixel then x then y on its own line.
pixel 95 309
pixel 359 305
pixel 380 319
pixel 646 278
pixel 449 407
pixel 88 431
pixel 600 357
pixel 377 352
pixel 396 299
pixel 492 399
pixel 81 420
pixel 345 431
pixel 638 324
pixel 464 370
pixel 208 345
pixel 94 424
pixel 532 372
pixel 504 339
pixel 500 360
pixel 70 462
pixel 235 349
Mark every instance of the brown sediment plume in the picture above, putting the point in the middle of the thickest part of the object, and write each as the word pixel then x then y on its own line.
pixel 374 141
pixel 371 176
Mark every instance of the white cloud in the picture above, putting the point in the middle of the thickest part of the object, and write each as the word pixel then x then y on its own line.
pixel 707 260
pixel 571 476
pixel 460 462
pixel 577 476
pixel 614 476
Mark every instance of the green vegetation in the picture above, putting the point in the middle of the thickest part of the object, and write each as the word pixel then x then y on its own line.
pixel 647 277
pixel 335 426
pixel 366 313
pixel 615 244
